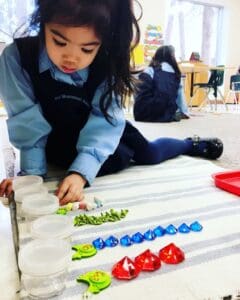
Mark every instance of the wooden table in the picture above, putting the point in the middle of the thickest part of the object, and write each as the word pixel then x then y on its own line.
pixel 198 72
pixel 195 72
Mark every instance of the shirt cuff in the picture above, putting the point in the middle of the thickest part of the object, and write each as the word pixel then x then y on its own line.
pixel 33 161
pixel 86 165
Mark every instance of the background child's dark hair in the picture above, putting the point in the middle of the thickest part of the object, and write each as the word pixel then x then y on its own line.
pixel 165 53
pixel 114 23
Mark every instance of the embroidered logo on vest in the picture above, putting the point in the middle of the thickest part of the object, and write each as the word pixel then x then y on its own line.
pixel 71 97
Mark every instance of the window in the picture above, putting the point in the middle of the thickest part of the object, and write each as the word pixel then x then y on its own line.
pixel 13 14
pixel 195 27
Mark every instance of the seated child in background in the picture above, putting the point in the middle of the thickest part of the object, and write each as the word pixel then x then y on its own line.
pixel 159 96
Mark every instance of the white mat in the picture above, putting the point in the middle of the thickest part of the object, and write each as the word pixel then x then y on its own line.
pixel 179 190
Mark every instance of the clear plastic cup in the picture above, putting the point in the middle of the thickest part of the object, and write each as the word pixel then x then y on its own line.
pixel 32 191
pixel 52 227
pixel 27 180
pixel 44 266
pixel 37 206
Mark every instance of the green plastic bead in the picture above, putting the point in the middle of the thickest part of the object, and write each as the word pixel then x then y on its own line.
pixel 109 216
pixel 61 211
pixel 83 251
pixel 97 280
pixel 69 206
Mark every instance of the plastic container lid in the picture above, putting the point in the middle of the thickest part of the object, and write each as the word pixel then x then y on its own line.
pixel 23 181
pixel 51 227
pixel 37 205
pixel 44 257
pixel 21 193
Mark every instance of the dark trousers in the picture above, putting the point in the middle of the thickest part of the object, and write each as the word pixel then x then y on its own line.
pixel 135 147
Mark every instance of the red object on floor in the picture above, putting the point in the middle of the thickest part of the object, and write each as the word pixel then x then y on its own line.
pixel 125 269
pixel 171 254
pixel 148 261
pixel 228 181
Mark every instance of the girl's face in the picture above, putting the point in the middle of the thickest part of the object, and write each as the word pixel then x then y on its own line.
pixel 71 48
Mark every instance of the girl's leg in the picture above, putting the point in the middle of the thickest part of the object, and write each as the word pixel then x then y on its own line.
pixel 161 150
pixel 134 146
pixel 146 152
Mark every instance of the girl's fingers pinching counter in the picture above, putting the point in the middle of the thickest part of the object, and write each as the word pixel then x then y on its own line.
pixel 70 198
pixel 6 187
pixel 70 189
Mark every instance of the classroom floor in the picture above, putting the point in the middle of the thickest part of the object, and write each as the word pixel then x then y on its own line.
pixel 223 124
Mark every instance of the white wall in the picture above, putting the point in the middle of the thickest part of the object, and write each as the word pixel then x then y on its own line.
pixel 155 12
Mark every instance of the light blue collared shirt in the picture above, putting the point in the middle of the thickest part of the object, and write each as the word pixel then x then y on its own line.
pixel 165 67
pixel 28 129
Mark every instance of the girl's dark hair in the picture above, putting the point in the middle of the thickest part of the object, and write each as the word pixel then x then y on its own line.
pixel 114 23
pixel 165 53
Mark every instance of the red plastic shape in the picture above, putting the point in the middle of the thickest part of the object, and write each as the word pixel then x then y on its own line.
pixel 125 269
pixel 171 254
pixel 148 261
pixel 228 181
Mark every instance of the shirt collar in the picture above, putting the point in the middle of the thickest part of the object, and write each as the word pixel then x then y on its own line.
pixel 46 64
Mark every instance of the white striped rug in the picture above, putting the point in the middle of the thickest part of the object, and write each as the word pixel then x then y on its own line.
pixel 179 190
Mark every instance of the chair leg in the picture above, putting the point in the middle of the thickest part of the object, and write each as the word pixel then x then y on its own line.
pixel 215 102
pixel 223 100
pixel 228 95
pixel 191 98
pixel 190 102
pixel 233 98
pixel 209 101
pixel 205 100
pixel 236 98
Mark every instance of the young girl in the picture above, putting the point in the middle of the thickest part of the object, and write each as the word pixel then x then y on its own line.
pixel 64 89
pixel 159 96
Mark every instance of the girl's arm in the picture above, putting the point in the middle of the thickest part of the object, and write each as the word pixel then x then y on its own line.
pixel 98 140
pixel 27 127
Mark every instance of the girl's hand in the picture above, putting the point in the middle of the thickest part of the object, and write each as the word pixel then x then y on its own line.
pixel 71 189
pixel 6 187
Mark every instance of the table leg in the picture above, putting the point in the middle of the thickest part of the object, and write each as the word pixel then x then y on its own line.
pixel 191 84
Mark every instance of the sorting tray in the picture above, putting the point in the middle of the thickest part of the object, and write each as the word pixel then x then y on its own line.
pixel 228 181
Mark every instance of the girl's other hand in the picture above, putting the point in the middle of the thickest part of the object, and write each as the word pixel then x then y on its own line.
pixel 6 187
pixel 71 189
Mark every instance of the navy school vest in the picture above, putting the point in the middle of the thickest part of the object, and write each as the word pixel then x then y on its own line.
pixel 166 86
pixel 65 107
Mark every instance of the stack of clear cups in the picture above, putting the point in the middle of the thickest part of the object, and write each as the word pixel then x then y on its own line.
pixel 37 205
pixel 28 180
pixel 44 266
pixel 52 227
pixel 26 185
pixel 22 193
